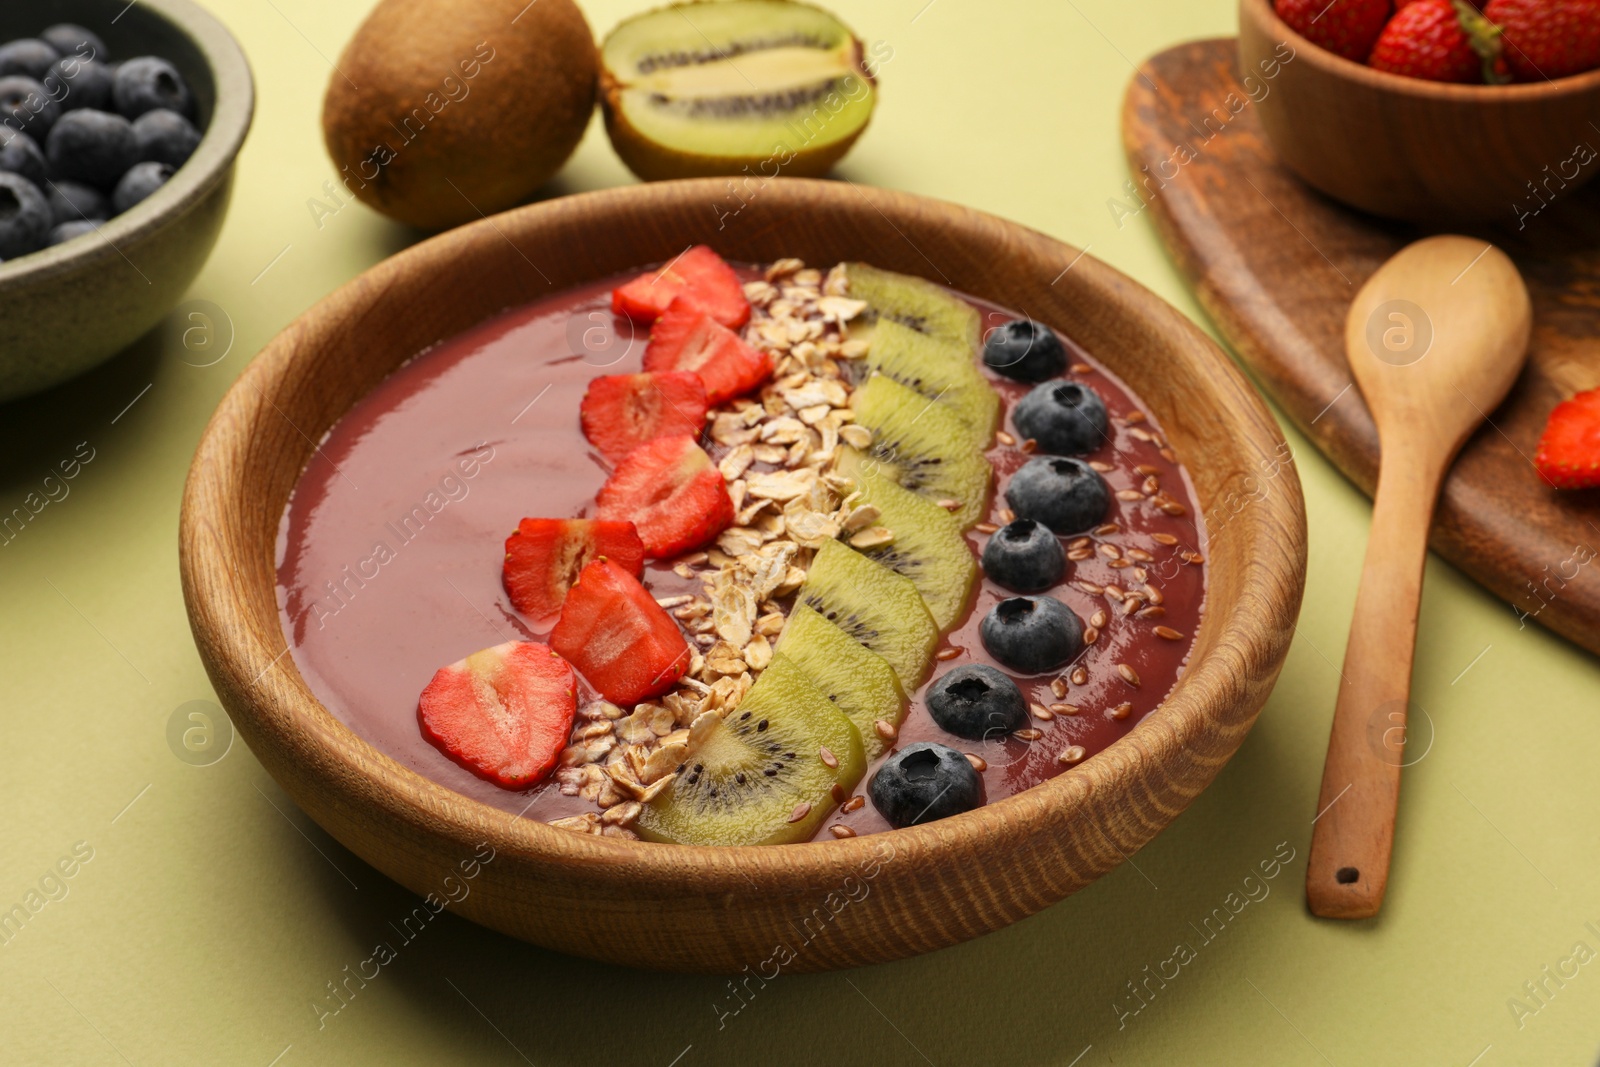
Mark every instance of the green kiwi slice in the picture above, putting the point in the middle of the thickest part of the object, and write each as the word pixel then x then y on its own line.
pixel 874 606
pixel 858 681
pixel 939 369
pixel 924 446
pixel 915 302
pixel 750 780
pixel 928 547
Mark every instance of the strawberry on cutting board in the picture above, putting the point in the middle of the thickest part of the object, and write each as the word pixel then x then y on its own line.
pixel 621 640
pixel 544 556
pixel 685 338
pixel 671 492
pixel 1543 39
pixel 1344 27
pixel 1429 39
pixel 503 713
pixel 699 277
pixel 620 412
pixel 1569 451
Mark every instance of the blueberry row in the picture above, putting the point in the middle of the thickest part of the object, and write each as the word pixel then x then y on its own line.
pixel 82 138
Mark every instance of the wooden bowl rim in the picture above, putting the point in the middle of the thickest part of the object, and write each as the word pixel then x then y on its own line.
pixel 351 767
pixel 1268 19
pixel 224 135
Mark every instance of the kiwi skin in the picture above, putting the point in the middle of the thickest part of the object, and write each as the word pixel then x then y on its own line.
pixel 493 107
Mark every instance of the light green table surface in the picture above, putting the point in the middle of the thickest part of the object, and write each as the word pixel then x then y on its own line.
pixel 213 913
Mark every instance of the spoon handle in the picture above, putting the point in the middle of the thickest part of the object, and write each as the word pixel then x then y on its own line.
pixel 1353 834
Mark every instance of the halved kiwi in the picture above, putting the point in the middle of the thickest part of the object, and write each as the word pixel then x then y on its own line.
pixel 858 681
pixel 914 302
pixel 924 446
pixel 753 87
pixel 873 605
pixel 938 368
pixel 928 545
pixel 745 784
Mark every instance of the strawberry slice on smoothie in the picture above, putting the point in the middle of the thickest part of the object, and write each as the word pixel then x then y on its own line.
pixel 671 492
pixel 699 277
pixel 620 412
pixel 544 556
pixel 503 713
pixel 685 338
pixel 622 641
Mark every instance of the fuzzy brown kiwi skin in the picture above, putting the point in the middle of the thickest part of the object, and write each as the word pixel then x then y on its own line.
pixel 652 162
pixel 522 116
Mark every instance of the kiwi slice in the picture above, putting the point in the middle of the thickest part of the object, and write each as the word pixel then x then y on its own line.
pixel 924 446
pixel 745 784
pixel 858 681
pixel 873 605
pixel 928 545
pixel 938 368
pixel 749 87
pixel 915 302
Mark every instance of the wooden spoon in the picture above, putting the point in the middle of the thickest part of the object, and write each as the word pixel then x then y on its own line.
pixel 1434 339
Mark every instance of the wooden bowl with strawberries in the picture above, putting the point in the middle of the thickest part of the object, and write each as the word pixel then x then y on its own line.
pixel 720 907
pixel 1404 146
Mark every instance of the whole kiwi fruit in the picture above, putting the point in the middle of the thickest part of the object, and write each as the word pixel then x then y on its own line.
pixel 439 112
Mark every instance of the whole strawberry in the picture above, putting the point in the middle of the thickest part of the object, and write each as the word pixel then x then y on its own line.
pixel 1569 451
pixel 1426 39
pixel 1544 39
pixel 1344 27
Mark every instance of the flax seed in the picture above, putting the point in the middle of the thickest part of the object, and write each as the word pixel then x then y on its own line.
pixel 1079 542
pixel 947 653
pixel 1107 529
pixel 1151 486
pixel 1163 539
pixel 838 793
pixel 841 831
pixel 1109 551
pixel 1129 675
pixel 1065 709
pixel 1005 438
pixel 1030 446
pixel 1154 595
pixel 1090 588
pixel 1173 508
pixel 1193 557
pixel 986 527
pixel 1129 494
pixel 979 764
pixel 827 756
pixel 1140 574
pixel 1169 455
pixel 886 730
pixel 1132 604
pixel 1072 754
pixel 1058 687
pixel 1090 635
pixel 1114 592
pixel 1146 469
pixel 1030 734
pixel 1135 416
pixel 1142 435
pixel 1121 711
pixel 1078 555
pixel 1007 515
pixel 1099 619
pixel 1080 676
pixel 1040 712
pixel 1101 466
pixel 801 810
pixel 955 505
pixel 853 804
pixel 1155 611
pixel 1140 555
pixel 1118 564
pixel 1167 633
pixel 1082 368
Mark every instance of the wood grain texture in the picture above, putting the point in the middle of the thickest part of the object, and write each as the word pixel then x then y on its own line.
pixel 1435 338
pixel 689 908
pixel 1276 265
pixel 1406 148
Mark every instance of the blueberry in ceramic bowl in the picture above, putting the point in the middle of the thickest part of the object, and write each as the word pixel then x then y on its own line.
pixel 76 303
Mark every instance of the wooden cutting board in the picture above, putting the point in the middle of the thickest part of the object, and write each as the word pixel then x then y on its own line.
pixel 1276 266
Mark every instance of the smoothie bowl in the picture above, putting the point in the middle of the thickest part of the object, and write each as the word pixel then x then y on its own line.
pixel 833 580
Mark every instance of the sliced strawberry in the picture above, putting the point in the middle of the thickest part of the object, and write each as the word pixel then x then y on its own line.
pixel 687 339
pixel 504 713
pixel 671 492
pixel 544 556
pixel 699 276
pixel 1569 451
pixel 619 637
pixel 620 412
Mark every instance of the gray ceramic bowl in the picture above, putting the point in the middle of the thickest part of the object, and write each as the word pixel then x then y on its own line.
pixel 70 307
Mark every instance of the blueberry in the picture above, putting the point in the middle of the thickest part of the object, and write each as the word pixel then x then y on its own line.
pixel 69 38
pixel 141 180
pixel 27 55
pixel 1025 556
pixel 76 202
pixel 165 137
pixel 66 231
pixel 147 83
pixel 924 782
pixel 24 216
pixel 20 154
pixel 1025 350
pixel 1032 634
pixel 80 83
pixel 977 702
pixel 1063 418
pixel 95 147
pixel 26 105
pixel 1065 494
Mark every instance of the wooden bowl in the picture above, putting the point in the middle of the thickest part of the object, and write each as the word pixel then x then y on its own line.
pixel 1417 150
pixel 74 305
pixel 722 909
